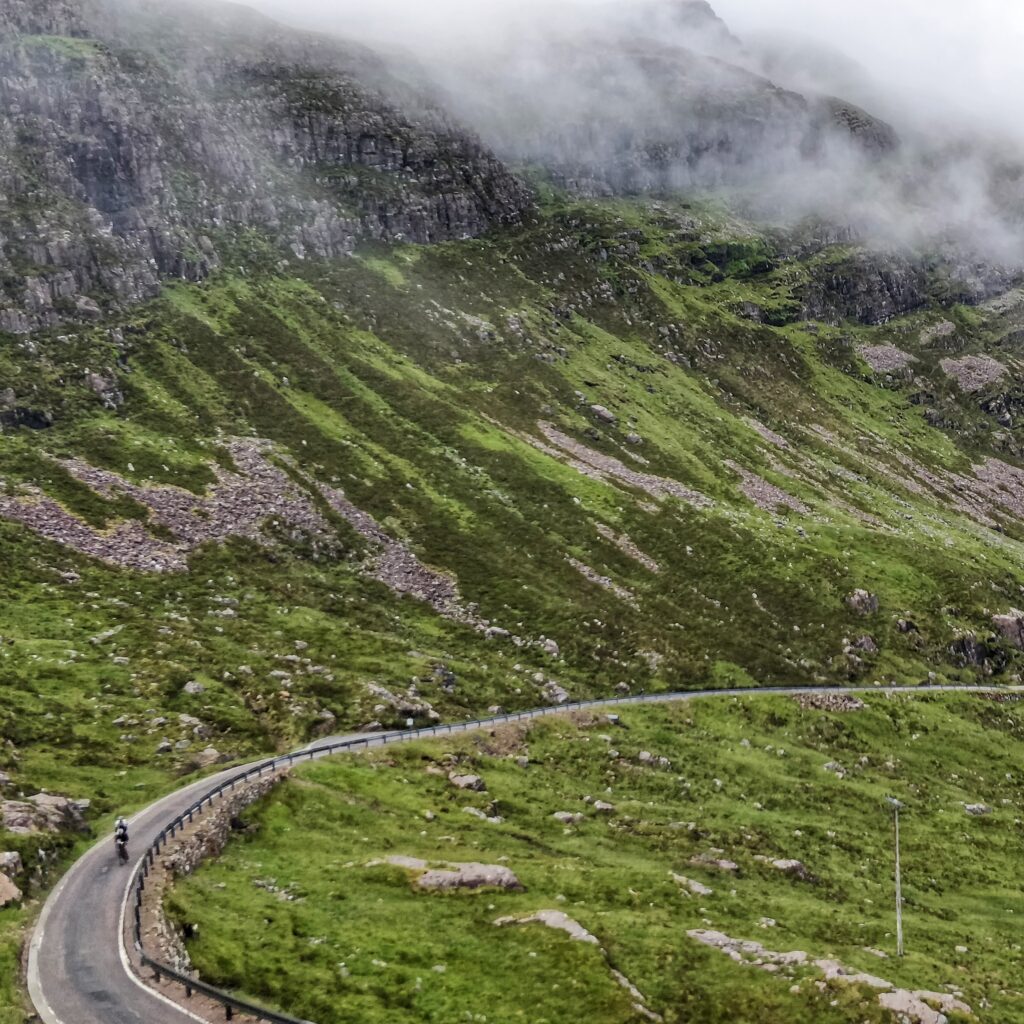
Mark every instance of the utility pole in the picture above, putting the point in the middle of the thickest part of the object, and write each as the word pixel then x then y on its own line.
pixel 896 806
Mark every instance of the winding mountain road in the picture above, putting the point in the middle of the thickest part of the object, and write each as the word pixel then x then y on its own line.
pixel 78 968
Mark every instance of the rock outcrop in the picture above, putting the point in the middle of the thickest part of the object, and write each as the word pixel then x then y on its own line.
pixel 155 136
pixel 44 812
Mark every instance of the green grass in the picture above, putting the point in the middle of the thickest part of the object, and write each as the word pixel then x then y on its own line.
pixel 351 941
pixel 413 378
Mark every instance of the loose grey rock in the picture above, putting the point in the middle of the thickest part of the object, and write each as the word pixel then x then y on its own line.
pixel 9 892
pixel 470 782
pixel 10 863
pixel 1011 627
pixel 863 602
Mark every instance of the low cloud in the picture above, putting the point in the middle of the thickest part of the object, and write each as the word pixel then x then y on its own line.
pixel 655 95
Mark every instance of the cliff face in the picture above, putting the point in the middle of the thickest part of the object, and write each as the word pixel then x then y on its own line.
pixel 126 160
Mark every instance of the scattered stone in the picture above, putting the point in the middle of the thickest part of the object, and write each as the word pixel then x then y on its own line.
pixel 605 468
pixel 838 703
pixel 469 876
pixel 606 582
pixel 10 864
pixel 914 1006
pixel 793 868
pixel 193 688
pixel 977 810
pixel 164 746
pixel 550 647
pixel 1011 627
pixel 603 807
pixel 494 819
pixel 863 603
pixel 553 919
pixel 697 888
pixel 909 1006
pixel 604 415
pixel 469 782
pixel 240 504
pixel 567 817
pixel 209 757
pixel 555 694
pixel 9 892
pixel 708 860
pixel 943 329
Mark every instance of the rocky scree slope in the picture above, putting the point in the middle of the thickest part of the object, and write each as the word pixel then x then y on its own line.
pixel 137 136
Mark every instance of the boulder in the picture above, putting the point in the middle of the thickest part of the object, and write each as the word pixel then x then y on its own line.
pixel 863 603
pixel 910 1006
pixel 470 782
pixel 553 919
pixel 697 888
pixel 604 415
pixel 1011 627
pixel 209 757
pixel 977 810
pixel 193 688
pixel 793 868
pixel 567 817
pixel 10 864
pixel 43 812
pixel 469 876
pixel 555 694
pixel 9 892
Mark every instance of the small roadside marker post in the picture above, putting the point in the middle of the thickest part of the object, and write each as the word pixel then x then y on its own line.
pixel 896 807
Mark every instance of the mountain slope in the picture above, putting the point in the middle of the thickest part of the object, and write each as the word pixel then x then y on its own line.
pixel 273 466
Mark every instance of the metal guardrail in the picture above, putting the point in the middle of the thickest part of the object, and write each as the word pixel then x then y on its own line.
pixel 233 1003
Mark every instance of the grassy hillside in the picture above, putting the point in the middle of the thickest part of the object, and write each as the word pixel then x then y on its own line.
pixel 746 782
pixel 612 438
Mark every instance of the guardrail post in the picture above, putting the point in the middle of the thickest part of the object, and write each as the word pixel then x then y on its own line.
pixel 188 991
pixel 229 1013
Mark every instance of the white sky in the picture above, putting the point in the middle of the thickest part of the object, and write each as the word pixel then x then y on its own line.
pixel 968 54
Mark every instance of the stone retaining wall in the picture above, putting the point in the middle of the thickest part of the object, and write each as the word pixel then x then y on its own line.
pixel 205 838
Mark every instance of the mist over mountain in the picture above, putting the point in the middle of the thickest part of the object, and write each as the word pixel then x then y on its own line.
pixel 894 124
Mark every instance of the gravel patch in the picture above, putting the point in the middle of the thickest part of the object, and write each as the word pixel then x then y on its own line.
pixel 973 373
pixel 885 358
